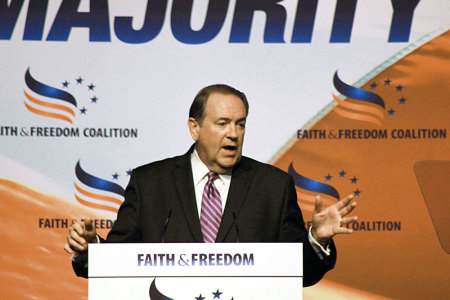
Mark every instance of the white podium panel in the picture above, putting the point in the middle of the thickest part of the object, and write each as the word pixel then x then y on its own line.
pixel 196 271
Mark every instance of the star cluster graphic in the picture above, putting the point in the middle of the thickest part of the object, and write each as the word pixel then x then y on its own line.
pixel 343 178
pixel 393 93
pixel 85 86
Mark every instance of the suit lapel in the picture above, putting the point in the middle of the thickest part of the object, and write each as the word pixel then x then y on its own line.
pixel 240 182
pixel 186 195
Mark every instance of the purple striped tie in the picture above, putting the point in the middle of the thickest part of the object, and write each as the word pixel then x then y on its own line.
pixel 211 210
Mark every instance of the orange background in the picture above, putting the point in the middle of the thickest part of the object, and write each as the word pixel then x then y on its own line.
pixel 406 264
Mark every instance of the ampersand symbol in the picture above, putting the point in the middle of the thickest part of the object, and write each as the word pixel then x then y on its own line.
pixel 183 261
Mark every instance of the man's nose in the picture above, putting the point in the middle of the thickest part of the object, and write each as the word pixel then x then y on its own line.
pixel 232 132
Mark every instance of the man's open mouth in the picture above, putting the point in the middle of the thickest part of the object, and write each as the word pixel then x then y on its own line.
pixel 230 148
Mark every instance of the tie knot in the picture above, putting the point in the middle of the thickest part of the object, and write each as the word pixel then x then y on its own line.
pixel 212 176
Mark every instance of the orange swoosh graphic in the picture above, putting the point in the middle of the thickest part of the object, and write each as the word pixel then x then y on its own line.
pixel 356 116
pixel 359 107
pixel 95 205
pixel 50 105
pixel 48 114
pixel 96 196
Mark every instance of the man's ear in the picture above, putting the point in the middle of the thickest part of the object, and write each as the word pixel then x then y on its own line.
pixel 194 128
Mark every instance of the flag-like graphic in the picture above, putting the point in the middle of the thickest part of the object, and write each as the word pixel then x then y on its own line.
pixel 97 193
pixel 155 294
pixel 48 101
pixel 310 188
pixel 312 185
pixel 367 106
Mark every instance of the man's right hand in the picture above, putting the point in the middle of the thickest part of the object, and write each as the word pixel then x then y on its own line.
pixel 81 233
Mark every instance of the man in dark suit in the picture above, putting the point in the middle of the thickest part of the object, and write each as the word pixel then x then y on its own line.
pixel 165 200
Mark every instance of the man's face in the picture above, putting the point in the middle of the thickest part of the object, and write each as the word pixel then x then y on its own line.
pixel 219 139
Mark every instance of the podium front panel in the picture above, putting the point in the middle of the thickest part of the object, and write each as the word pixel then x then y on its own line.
pixel 196 271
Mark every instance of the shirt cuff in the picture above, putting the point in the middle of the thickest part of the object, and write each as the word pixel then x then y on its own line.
pixel 79 257
pixel 318 248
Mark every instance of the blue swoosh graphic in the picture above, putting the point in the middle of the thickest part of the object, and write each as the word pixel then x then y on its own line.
pixel 356 93
pixel 155 294
pixel 96 182
pixel 48 91
pixel 312 185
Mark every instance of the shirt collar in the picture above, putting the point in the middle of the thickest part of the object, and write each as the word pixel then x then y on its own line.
pixel 200 170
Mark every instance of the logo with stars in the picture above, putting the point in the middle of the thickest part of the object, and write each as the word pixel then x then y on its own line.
pixel 97 193
pixel 57 101
pixel 155 294
pixel 326 186
pixel 369 106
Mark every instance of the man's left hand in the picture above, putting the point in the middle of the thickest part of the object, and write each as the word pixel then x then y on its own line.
pixel 330 221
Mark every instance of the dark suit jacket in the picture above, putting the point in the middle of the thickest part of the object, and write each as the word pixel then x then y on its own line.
pixel 262 197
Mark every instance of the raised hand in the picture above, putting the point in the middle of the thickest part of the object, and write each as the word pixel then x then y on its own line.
pixel 81 233
pixel 329 221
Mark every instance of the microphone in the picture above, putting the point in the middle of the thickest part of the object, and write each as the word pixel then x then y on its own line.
pixel 164 230
pixel 236 227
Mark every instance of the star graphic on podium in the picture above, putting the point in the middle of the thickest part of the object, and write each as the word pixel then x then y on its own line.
pixel 217 294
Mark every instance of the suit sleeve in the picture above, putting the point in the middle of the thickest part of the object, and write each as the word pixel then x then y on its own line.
pixel 123 230
pixel 293 230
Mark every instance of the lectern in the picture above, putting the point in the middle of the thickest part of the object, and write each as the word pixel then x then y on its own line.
pixel 196 271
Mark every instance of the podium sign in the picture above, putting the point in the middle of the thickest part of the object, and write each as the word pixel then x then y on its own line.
pixel 238 271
